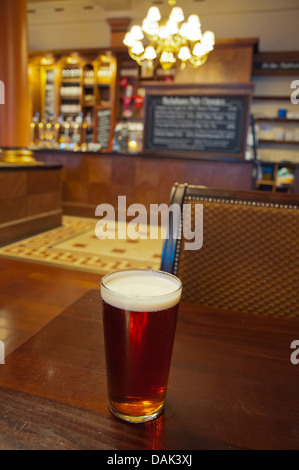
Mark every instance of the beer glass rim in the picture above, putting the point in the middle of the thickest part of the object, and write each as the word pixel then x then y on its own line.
pixel 143 270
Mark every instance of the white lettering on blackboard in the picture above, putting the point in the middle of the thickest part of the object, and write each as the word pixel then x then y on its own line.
pixel 175 101
pixel 196 123
pixel 192 101
pixel 103 127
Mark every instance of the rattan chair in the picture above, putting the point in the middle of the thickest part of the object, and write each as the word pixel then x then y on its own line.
pixel 249 259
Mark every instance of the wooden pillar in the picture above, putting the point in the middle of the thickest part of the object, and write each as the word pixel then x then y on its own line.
pixel 15 113
pixel 118 27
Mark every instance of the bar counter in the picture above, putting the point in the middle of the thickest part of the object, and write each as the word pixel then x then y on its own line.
pixel 93 178
pixel 30 198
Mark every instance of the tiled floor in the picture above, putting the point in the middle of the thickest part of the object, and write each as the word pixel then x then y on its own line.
pixel 75 245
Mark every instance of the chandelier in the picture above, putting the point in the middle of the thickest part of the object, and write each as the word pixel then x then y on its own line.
pixel 170 39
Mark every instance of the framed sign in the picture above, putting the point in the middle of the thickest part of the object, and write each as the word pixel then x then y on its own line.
pixel 104 127
pixel 190 120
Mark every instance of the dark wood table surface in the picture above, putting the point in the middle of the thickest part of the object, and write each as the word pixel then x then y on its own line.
pixel 232 385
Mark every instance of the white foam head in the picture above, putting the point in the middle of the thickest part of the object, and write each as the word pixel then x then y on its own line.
pixel 141 290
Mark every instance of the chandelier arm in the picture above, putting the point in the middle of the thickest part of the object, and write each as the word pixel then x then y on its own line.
pixel 197 61
pixel 135 57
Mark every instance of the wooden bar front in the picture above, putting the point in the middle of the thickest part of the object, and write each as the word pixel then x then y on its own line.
pixel 30 199
pixel 90 179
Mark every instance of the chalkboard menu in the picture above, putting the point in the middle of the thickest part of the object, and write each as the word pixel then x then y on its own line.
pixel 50 95
pixel 204 123
pixel 104 127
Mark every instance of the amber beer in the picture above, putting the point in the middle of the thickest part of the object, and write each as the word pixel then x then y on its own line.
pixel 139 318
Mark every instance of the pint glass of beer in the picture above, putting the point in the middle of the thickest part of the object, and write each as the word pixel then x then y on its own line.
pixel 139 317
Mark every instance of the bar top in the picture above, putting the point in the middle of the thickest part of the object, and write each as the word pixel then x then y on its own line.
pixel 145 155
pixel 164 156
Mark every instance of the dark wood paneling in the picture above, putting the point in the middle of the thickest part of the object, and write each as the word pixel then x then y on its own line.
pixel 12 185
pixel 13 209
pixel 30 202
pixel 93 179
pixel 232 64
pixel 99 169
pixel 41 181
pixel 43 203
pixel 29 226
pixel 75 190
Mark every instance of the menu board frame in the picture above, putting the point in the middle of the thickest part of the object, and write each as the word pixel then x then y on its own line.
pixel 102 109
pixel 196 90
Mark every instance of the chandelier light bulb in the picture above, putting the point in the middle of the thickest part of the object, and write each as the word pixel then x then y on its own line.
pixel 138 48
pixel 199 50
pixel 151 28
pixel 193 19
pixel 167 59
pixel 177 14
pixel 172 27
pixel 194 33
pixel 150 53
pixel 184 30
pixel 129 40
pixel 164 32
pixel 153 14
pixel 208 40
pixel 137 33
pixel 184 53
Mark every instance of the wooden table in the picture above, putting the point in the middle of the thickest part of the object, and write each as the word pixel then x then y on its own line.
pixel 232 385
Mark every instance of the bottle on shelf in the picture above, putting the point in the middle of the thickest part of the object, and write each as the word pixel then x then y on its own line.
pixel 135 137
pixel 71 73
pixel 34 131
pixel 128 137
pixel 105 73
pixel 70 92
pixel 120 138
pixel 88 77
